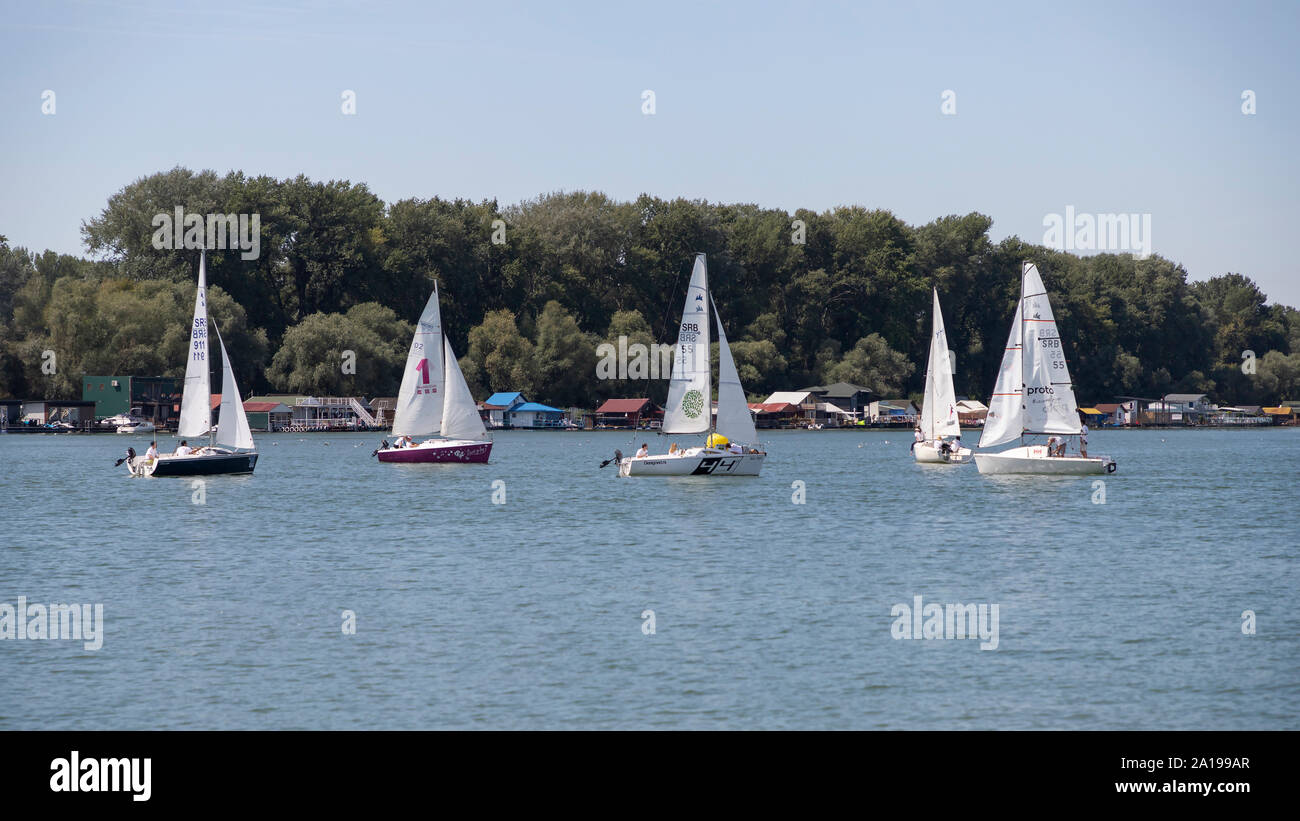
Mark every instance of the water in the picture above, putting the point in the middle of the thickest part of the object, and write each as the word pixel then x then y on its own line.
pixel 768 614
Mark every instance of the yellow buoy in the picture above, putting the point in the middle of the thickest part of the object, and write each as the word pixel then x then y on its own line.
pixel 717 440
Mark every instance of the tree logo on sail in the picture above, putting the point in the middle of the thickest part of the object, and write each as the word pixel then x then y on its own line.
pixel 693 403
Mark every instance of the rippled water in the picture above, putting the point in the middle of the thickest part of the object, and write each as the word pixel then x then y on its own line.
pixel 767 613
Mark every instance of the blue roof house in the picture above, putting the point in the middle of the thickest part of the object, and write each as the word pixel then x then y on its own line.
pixel 496 408
pixel 534 415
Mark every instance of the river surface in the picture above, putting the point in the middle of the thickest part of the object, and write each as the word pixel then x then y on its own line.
pixel 1120 605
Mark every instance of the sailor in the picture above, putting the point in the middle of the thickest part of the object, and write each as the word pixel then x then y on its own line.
pixel 644 451
pixel 152 453
pixel 917 438
pixel 672 449
pixel 184 449
pixel 1051 446
pixel 1083 439
pixel 735 447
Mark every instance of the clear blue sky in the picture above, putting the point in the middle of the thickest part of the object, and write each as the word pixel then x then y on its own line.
pixel 1108 107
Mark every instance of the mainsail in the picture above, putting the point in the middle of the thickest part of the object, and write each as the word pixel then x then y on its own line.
pixel 460 417
pixel 1004 421
pixel 418 411
pixel 1033 393
pixel 687 409
pixel 734 419
pixel 196 398
pixel 232 422
pixel 1049 397
pixel 939 411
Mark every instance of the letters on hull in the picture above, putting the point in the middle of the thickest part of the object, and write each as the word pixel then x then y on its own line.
pixel 438 452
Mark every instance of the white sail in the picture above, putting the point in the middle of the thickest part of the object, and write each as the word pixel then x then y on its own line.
pixel 734 419
pixel 232 422
pixel 418 411
pixel 689 401
pixel 196 399
pixel 460 417
pixel 939 411
pixel 1006 407
pixel 1049 398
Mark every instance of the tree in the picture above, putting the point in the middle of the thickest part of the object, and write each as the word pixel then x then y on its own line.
pixel 500 358
pixel 873 364
pixel 360 353
pixel 565 358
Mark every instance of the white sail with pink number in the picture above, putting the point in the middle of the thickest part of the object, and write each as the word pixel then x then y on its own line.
pixel 435 401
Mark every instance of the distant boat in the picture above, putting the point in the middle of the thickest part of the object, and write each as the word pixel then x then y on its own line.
pixel 434 399
pixel 232 449
pixel 731 450
pixel 939 411
pixel 132 422
pixel 1033 395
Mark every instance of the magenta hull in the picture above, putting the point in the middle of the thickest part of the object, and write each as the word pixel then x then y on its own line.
pixel 477 452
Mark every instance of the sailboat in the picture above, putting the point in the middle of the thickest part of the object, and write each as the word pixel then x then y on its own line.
pixel 1033 395
pixel 231 449
pixel 434 399
pixel 939 411
pixel 730 450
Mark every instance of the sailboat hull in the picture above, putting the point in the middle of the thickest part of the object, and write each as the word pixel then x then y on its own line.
pixel 1034 459
pixel 694 462
pixel 208 464
pixel 927 453
pixel 434 450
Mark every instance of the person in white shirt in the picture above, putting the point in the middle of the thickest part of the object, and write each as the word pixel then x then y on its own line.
pixel 735 447
pixel 152 453
pixel 644 451
pixel 184 449
pixel 917 438
pixel 1083 439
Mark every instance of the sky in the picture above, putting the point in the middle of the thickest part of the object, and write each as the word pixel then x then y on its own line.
pixel 1103 108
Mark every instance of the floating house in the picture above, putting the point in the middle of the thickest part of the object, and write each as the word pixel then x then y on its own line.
pixel 533 415
pixel 262 415
pixel 383 408
pixel 775 414
pixel 158 398
pixel 628 413
pixel 320 413
pixel 38 413
pixel 893 412
pixel 496 408
pixel 843 398
pixel 971 412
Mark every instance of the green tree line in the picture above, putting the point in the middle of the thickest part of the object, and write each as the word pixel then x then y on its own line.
pixel 529 291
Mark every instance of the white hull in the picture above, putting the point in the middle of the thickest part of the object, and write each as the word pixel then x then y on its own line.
pixel 927 453
pixel 1034 459
pixel 694 462
pixel 141 427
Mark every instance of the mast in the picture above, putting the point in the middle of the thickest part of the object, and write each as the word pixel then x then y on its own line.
pixel 1023 409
